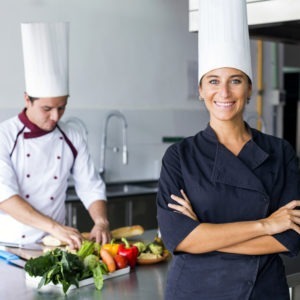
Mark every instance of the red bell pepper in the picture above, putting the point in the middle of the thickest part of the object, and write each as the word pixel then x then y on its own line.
pixel 131 252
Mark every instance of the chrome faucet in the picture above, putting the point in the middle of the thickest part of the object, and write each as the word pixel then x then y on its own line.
pixel 79 124
pixel 119 115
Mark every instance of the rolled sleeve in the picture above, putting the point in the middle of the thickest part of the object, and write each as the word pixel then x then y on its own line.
pixel 168 220
pixel 171 182
pixel 290 239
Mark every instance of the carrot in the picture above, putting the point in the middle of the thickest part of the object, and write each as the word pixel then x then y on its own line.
pixel 108 260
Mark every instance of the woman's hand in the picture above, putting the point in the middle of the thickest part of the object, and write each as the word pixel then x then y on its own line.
pixel 285 218
pixel 184 205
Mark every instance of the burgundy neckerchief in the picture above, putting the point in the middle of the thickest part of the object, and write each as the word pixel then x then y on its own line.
pixel 35 131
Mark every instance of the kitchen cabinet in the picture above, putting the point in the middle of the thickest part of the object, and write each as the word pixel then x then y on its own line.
pixel 133 204
pixel 132 210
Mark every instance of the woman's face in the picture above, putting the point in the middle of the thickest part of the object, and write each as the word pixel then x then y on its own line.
pixel 225 92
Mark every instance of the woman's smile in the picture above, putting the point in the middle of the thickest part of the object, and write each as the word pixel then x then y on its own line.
pixel 225 92
pixel 226 105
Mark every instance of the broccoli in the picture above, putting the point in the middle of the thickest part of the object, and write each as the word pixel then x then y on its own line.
pixel 141 246
pixel 156 248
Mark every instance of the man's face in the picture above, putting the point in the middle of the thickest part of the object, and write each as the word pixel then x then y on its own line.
pixel 46 112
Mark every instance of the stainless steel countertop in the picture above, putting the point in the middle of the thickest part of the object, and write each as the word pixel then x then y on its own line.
pixel 146 282
pixel 121 189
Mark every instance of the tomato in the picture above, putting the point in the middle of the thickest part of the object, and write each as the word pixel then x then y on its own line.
pixel 121 261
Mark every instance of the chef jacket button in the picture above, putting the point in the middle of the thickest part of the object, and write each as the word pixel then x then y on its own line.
pixel 27 196
pixel 55 177
pixel 61 138
pixel 58 157
pixel 28 155
pixel 28 175
pixel 23 236
pixel 51 198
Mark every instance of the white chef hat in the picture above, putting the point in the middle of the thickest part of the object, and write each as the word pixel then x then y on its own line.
pixel 223 37
pixel 46 63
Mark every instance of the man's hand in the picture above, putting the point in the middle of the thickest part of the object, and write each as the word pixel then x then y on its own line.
pixel 100 233
pixel 23 212
pixel 68 235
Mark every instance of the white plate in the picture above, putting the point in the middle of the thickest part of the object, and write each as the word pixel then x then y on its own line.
pixel 34 281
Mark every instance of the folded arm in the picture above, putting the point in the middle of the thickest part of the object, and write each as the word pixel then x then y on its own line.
pixel 251 237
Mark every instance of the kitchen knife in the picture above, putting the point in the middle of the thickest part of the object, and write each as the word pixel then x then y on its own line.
pixel 12 259
pixel 32 246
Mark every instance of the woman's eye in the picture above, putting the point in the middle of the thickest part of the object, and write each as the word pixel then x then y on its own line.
pixel 213 81
pixel 236 81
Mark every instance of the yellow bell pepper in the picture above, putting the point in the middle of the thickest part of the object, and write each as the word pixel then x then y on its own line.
pixel 111 247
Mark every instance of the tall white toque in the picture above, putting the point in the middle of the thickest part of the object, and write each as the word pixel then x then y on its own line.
pixel 46 58
pixel 223 37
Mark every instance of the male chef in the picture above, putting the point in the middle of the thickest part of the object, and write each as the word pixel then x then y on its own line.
pixel 38 153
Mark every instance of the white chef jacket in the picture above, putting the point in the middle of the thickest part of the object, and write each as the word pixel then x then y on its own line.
pixel 36 165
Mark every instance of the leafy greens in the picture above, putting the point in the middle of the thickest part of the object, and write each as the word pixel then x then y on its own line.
pixel 65 268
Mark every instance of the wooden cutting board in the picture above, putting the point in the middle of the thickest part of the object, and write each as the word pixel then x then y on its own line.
pixel 24 253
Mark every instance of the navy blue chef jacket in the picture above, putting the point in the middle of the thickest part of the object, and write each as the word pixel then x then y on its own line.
pixel 225 188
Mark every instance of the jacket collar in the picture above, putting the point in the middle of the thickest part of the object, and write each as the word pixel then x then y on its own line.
pixel 228 168
pixel 35 131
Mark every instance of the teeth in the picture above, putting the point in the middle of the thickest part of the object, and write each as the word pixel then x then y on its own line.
pixel 224 104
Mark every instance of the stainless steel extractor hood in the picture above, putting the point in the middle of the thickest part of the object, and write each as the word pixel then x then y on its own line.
pixel 277 20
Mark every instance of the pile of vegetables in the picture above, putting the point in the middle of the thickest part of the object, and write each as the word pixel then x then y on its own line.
pixel 62 267
pixel 59 266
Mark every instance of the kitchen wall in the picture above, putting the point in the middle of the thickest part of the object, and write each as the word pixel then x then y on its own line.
pixel 136 56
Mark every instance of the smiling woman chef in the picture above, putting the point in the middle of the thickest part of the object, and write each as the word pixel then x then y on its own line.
pixel 38 153
pixel 242 186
